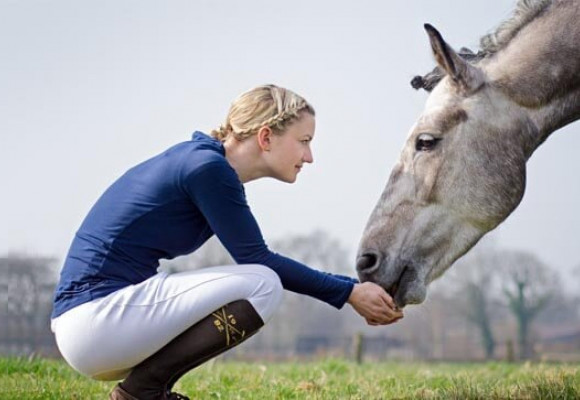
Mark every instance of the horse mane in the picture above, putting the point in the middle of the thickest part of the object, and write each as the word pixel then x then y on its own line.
pixel 525 12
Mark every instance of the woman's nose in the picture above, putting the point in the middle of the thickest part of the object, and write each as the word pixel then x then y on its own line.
pixel 308 158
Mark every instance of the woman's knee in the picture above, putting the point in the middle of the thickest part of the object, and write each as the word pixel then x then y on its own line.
pixel 270 279
pixel 268 294
pixel 267 272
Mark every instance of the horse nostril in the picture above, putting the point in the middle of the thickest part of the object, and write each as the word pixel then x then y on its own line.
pixel 367 262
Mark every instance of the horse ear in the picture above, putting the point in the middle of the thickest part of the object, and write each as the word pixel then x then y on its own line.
pixel 464 75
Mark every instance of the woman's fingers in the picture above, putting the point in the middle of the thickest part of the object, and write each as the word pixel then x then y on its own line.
pixel 385 306
pixel 382 314
pixel 388 299
pixel 390 302
pixel 374 304
pixel 394 313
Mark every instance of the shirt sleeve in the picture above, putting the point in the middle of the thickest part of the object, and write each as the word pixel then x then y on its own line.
pixel 343 277
pixel 218 193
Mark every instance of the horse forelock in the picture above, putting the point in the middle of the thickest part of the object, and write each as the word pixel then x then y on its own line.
pixel 525 12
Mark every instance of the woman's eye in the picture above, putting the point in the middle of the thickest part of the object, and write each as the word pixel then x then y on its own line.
pixel 426 142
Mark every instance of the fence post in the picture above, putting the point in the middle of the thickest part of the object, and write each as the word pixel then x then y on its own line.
pixel 510 355
pixel 358 347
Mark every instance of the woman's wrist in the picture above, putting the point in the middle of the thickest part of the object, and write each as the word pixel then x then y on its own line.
pixel 353 293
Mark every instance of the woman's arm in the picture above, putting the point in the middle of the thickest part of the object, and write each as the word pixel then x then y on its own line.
pixel 219 195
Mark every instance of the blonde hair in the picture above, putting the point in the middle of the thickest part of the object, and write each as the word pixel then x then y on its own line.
pixel 266 105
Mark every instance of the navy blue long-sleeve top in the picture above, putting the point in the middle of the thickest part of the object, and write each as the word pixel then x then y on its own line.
pixel 169 206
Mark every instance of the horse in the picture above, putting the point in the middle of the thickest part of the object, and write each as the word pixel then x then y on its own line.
pixel 462 170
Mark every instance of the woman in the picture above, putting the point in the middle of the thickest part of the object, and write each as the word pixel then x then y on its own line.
pixel 115 317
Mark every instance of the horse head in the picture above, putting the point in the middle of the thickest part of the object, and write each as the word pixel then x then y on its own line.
pixel 461 173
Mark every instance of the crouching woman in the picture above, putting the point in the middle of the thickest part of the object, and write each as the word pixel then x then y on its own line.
pixel 116 318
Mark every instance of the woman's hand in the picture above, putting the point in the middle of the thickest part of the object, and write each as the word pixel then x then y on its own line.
pixel 374 304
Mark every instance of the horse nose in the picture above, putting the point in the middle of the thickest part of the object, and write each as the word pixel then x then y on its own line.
pixel 368 262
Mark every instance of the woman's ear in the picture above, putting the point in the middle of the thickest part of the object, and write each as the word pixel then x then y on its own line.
pixel 265 138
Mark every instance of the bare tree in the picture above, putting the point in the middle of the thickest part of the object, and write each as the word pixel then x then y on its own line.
pixel 528 286
pixel 477 313
pixel 474 280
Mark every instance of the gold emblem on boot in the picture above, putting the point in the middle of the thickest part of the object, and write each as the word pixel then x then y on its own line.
pixel 224 323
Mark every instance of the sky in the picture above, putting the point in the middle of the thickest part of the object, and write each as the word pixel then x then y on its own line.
pixel 89 89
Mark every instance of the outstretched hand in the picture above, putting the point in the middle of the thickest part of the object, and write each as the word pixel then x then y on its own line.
pixel 374 304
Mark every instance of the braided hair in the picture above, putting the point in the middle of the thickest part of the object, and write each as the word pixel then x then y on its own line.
pixel 266 105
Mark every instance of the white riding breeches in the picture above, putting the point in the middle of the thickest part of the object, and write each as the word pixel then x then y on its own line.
pixel 105 338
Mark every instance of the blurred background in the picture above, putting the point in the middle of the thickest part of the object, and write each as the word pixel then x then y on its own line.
pixel 88 89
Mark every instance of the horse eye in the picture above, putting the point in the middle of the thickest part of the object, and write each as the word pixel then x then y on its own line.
pixel 426 142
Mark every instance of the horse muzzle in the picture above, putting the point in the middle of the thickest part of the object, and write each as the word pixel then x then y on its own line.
pixel 400 279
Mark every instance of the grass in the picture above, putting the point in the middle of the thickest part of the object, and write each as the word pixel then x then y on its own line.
pixel 329 379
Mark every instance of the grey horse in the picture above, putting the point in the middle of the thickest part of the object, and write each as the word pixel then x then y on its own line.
pixel 462 170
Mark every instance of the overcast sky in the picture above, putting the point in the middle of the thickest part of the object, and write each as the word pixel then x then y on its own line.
pixel 90 88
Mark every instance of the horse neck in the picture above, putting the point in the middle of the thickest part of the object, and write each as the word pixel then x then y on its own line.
pixel 538 69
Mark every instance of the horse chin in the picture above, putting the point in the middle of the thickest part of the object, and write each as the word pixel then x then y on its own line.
pixel 410 293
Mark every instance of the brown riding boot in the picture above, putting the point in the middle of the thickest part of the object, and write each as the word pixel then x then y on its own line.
pixel 119 394
pixel 225 328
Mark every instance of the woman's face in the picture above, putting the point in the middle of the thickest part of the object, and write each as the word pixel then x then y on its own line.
pixel 290 150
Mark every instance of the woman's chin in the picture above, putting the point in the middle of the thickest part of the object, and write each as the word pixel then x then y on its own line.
pixel 287 179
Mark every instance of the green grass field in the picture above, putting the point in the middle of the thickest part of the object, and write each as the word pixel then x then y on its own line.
pixel 331 379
